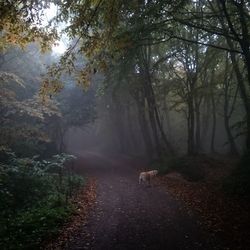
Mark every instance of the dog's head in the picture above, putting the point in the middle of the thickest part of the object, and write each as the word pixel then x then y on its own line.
pixel 155 172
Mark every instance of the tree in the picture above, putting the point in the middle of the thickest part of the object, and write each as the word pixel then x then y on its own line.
pixel 23 114
pixel 21 24
pixel 115 31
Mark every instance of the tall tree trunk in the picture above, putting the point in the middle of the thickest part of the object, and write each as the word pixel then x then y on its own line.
pixel 169 148
pixel 233 147
pixel 198 126
pixel 243 41
pixel 191 123
pixel 146 135
pixel 132 135
pixel 244 96
pixel 197 98
pixel 117 114
pixel 156 125
pixel 152 119
pixel 212 147
pixel 227 114
pixel 206 114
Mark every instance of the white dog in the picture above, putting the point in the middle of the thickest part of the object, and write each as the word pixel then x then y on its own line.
pixel 147 176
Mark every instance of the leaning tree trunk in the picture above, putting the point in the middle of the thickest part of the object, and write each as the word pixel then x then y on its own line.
pixel 243 41
pixel 168 146
pixel 156 125
pixel 152 119
pixel 244 96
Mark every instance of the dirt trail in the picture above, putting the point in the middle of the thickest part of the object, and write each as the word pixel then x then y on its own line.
pixel 131 216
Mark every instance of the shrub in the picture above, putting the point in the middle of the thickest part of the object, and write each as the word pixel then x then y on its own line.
pixel 239 181
pixel 165 164
pixel 189 167
pixel 34 198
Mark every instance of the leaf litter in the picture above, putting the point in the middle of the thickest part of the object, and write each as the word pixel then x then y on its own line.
pixel 224 216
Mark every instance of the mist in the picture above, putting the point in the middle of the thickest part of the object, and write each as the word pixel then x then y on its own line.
pixel 124 125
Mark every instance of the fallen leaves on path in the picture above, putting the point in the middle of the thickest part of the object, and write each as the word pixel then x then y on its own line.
pixel 226 217
pixel 83 201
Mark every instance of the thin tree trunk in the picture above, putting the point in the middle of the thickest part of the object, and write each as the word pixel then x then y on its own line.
pixel 144 127
pixel 198 127
pixel 191 146
pixel 212 147
pixel 153 109
pixel 169 147
pixel 132 135
pixel 144 57
pixel 246 54
pixel 244 97
pixel 205 118
pixel 233 147
pixel 153 122
pixel 117 114
pixel 197 100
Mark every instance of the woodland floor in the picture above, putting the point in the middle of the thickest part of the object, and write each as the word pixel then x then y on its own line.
pixel 171 214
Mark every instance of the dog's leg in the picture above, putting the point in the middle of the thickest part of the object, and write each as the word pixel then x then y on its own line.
pixel 149 183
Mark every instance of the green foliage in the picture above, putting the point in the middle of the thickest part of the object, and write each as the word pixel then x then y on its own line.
pixel 78 107
pixel 23 118
pixel 34 197
pixel 29 147
pixel 32 226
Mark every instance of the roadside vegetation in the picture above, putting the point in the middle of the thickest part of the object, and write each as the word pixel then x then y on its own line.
pixel 168 81
pixel 35 198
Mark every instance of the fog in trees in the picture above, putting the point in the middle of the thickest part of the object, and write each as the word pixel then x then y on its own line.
pixel 163 83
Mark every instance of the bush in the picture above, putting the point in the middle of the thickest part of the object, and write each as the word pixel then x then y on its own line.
pixel 29 228
pixel 34 198
pixel 28 147
pixel 165 164
pixel 189 167
pixel 239 181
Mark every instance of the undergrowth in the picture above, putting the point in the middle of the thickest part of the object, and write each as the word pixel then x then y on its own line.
pixel 238 183
pixel 34 198
pixel 189 167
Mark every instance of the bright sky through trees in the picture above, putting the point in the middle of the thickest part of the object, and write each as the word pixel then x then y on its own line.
pixel 61 45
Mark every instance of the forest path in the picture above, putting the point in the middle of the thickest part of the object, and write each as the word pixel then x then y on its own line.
pixel 132 216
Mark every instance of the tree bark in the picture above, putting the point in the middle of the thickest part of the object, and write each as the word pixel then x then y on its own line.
pixel 191 144
pixel 227 115
pixel 212 147
pixel 146 135
pixel 245 46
